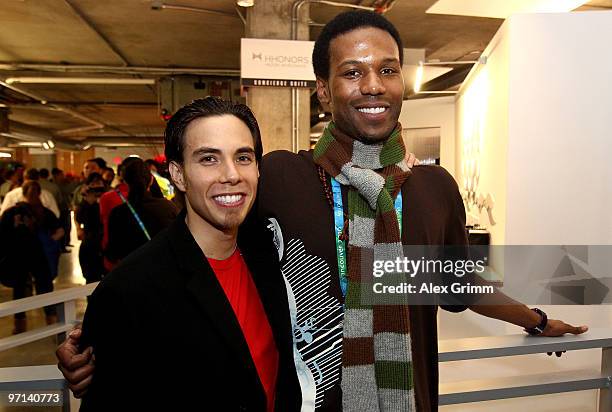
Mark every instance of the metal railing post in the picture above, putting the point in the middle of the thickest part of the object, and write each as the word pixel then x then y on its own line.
pixel 605 395
pixel 66 314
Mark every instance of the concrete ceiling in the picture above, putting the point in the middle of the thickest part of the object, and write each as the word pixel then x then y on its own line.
pixel 122 34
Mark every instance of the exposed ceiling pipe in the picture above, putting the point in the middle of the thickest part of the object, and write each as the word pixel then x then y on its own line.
pixel 21 132
pixel 26 132
pixel 119 141
pixel 78 80
pixel 50 105
pixel 94 125
pixel 241 16
pixel 159 5
pixel 146 70
pixel 23 92
pixel 101 35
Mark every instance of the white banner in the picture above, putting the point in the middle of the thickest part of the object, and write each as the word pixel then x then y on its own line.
pixel 276 63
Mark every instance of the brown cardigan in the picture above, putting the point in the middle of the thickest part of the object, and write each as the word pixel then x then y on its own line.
pixel 291 192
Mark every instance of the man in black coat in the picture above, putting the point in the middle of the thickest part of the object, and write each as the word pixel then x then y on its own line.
pixel 233 349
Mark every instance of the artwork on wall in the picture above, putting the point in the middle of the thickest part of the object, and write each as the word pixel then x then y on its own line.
pixel 470 163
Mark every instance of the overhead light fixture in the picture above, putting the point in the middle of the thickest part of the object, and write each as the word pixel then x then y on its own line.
pixel 246 3
pixel 5 155
pixel 86 147
pixel 79 80
pixel 45 146
pixel 29 144
pixel 418 79
pixel 51 144
pixel 321 115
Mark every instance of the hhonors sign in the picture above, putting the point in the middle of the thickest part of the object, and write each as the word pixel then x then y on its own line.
pixel 276 63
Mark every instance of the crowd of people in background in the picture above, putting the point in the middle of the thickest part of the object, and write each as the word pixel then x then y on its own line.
pixel 113 213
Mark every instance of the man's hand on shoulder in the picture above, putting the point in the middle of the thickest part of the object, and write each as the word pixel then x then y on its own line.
pixel 76 367
pixel 411 160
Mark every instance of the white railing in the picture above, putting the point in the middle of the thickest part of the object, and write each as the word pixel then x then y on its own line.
pixel 42 377
pixel 528 385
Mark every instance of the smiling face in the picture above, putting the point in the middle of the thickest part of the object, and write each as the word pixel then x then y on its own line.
pixel 365 86
pixel 219 172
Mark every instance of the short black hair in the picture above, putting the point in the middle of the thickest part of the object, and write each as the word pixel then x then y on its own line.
pixel 344 23
pixel 174 137
pixel 101 162
pixel 94 177
pixel 44 173
pixel 32 174
pixel 56 171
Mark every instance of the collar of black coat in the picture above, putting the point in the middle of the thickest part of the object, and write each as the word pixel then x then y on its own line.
pixel 255 243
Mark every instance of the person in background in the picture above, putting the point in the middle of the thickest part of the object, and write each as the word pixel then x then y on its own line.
pixel 165 185
pixel 109 201
pixel 89 231
pixel 28 233
pixel 66 189
pixel 140 217
pixel 95 165
pixel 11 182
pixel 50 186
pixel 16 195
pixel 108 174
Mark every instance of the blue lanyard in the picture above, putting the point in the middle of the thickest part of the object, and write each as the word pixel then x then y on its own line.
pixel 339 225
pixel 142 226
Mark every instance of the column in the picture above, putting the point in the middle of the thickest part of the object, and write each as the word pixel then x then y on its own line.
pixel 271 19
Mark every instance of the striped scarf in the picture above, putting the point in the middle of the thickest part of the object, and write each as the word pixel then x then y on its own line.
pixel 376 358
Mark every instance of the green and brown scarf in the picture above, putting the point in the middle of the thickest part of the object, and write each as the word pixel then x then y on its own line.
pixel 377 358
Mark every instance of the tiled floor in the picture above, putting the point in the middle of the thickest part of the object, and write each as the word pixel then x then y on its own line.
pixel 41 352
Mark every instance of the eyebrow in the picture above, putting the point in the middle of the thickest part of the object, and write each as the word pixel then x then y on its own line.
pixel 357 62
pixel 205 150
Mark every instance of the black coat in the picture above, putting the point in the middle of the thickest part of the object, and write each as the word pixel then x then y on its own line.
pixel 166 338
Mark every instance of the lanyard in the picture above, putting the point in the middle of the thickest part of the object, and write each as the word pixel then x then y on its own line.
pixel 142 226
pixel 339 225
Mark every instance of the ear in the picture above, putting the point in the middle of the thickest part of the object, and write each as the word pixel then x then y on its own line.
pixel 178 176
pixel 323 91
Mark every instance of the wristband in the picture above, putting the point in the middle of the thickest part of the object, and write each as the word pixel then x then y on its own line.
pixel 538 329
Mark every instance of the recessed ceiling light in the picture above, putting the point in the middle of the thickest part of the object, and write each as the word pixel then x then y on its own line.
pixel 245 3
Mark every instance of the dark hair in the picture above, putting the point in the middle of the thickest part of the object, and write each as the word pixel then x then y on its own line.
pixel 55 171
pixel 100 162
pixel 94 177
pixel 124 164
pixel 32 174
pixel 44 173
pixel 344 23
pixel 32 184
pixel 152 162
pixel 210 106
pixel 137 176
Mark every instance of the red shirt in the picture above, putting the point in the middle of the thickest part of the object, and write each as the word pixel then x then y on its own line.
pixel 108 201
pixel 237 283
